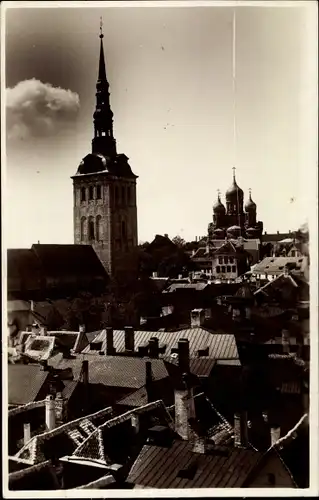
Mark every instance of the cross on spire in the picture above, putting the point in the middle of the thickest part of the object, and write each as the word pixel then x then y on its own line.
pixel 234 171
pixel 101 27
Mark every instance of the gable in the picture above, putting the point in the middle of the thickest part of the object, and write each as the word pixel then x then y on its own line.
pixel 271 473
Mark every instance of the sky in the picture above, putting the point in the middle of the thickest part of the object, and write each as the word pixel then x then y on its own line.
pixel 170 71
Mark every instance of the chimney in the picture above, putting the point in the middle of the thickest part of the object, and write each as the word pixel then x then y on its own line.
pixel 59 408
pixel 44 365
pixel 153 347
pixel 32 305
pixel 85 372
pixel 274 435
pixel 154 274
pixel 285 341
pixel 35 329
pixel 135 422
pixel 277 232
pixel 240 430
pixel 184 408
pixel 149 382
pixel 129 338
pixel 199 444
pixel 183 355
pixel 26 433
pixel 109 341
pixel 82 328
pixel 180 276
pixel 197 318
pixel 49 413
pixel 43 330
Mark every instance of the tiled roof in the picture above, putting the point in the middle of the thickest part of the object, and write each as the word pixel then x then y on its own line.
pixel 115 371
pixel 275 236
pixel 277 283
pixel 221 346
pixel 190 286
pixel 24 383
pixel 63 439
pixel 276 265
pixel 200 367
pixel 159 467
pixel 68 260
pixel 135 399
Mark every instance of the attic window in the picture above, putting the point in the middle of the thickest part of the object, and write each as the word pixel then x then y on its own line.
pixel 266 267
pixel 271 478
pixel 272 260
pixel 203 352
pixel 281 267
pixel 299 260
pixel 189 472
pixel 96 346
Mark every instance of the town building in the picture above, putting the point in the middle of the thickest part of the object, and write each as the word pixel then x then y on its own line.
pixel 235 219
pixel 104 187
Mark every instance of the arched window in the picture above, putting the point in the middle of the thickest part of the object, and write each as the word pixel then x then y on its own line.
pixel 91 192
pixel 83 228
pixel 123 195
pixel 123 230
pixel 91 229
pixel 98 192
pixel 98 229
pixel 128 194
pixel 83 194
pixel 116 194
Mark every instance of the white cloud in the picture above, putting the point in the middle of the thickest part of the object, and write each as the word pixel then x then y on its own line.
pixel 38 109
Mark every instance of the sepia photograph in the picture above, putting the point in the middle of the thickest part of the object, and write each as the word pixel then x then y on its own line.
pixel 159 226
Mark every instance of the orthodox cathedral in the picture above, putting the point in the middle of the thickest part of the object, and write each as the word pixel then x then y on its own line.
pixel 104 186
pixel 235 220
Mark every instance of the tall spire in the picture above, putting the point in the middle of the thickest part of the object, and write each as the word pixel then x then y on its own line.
pixel 102 72
pixel 103 141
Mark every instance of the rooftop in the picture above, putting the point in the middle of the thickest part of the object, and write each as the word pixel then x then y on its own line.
pixel 179 467
pixel 25 383
pixel 220 346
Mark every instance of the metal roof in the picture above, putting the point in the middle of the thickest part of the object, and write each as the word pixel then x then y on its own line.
pixel 115 371
pixel 159 467
pixel 221 346
pixel 24 383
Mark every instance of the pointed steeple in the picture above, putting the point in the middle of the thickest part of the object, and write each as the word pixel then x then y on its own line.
pixel 102 72
pixel 103 142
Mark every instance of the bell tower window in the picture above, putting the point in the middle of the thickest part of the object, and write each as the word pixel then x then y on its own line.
pixel 91 192
pixel 98 228
pixel 98 192
pixel 123 195
pixel 91 228
pixel 123 229
pixel 83 194
pixel 83 223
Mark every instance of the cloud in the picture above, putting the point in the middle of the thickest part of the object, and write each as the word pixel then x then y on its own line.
pixel 37 109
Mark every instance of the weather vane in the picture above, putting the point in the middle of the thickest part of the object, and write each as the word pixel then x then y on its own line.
pixel 101 27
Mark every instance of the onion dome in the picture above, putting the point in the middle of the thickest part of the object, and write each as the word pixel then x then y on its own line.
pixel 252 232
pixel 250 205
pixel 218 207
pixel 234 231
pixel 219 233
pixel 234 191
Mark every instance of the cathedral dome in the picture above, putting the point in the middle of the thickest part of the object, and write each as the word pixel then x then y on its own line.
pixel 250 205
pixel 218 207
pixel 234 231
pixel 219 233
pixel 252 231
pixel 93 162
pixel 234 192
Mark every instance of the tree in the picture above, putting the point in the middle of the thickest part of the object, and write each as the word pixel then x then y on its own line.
pixel 178 241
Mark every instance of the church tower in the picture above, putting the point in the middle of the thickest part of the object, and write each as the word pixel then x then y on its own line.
pixel 104 186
